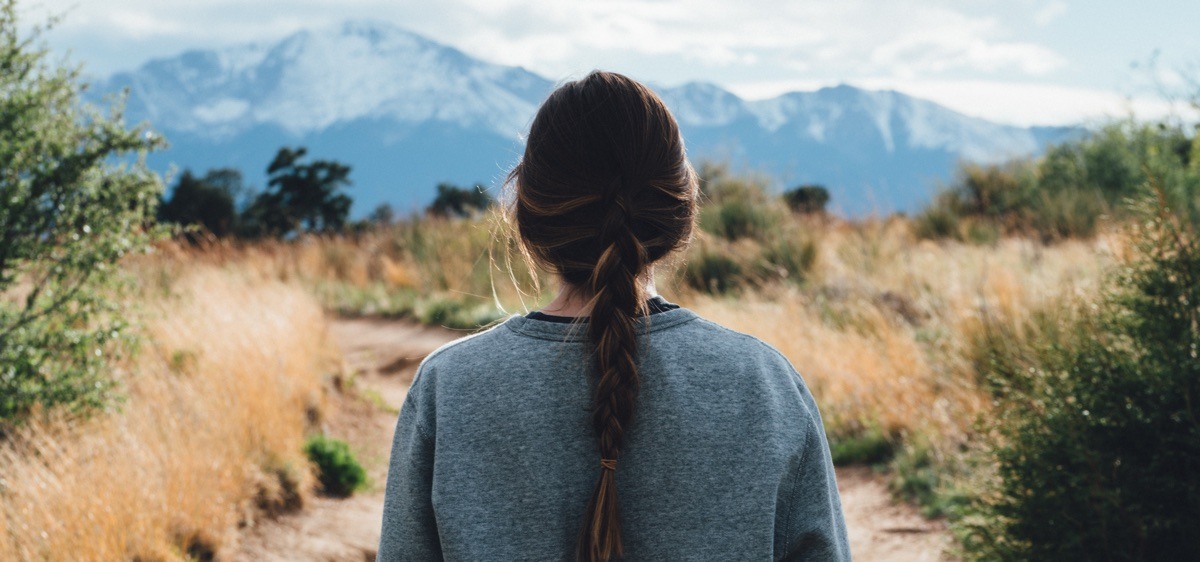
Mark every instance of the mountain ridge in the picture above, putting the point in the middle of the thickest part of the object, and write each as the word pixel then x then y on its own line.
pixel 407 112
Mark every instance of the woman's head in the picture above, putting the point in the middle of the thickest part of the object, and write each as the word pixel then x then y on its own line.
pixel 603 191
pixel 604 166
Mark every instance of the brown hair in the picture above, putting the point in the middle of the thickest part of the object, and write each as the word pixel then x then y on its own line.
pixel 603 191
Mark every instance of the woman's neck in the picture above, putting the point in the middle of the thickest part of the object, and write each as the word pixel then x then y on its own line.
pixel 573 301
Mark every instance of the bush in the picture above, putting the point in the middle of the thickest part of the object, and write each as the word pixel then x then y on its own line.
pixel 712 271
pixel 1098 445
pixel 937 222
pixel 1068 191
pixel 870 447
pixel 737 207
pixel 998 192
pixel 790 257
pixel 73 205
pixel 339 472
pixel 739 218
pixel 922 475
pixel 1073 213
pixel 807 198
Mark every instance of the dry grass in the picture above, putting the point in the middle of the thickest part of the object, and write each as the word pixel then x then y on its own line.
pixel 886 327
pixel 417 268
pixel 886 330
pixel 217 406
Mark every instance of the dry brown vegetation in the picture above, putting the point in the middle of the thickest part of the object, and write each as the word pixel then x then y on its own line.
pixel 887 329
pixel 209 435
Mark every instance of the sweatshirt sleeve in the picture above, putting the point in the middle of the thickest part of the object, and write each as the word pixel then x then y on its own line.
pixel 409 526
pixel 813 524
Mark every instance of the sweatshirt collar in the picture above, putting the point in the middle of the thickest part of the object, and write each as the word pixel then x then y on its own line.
pixel 577 331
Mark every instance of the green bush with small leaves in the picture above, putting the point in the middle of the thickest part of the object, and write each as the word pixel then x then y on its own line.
pixel 1097 443
pixel 1070 190
pixel 937 222
pixel 77 198
pixel 736 207
pixel 790 257
pixel 338 471
pixel 807 198
pixel 713 270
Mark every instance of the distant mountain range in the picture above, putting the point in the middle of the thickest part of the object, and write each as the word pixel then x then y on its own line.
pixel 407 112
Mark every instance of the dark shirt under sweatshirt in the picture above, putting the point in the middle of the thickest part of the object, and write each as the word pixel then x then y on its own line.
pixel 656 304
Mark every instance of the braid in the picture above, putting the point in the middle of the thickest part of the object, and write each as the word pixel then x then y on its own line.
pixel 615 307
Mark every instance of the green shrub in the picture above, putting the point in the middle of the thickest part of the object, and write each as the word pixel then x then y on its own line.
pixel 1098 444
pixel 983 233
pixel 870 447
pixel 441 311
pixel 1067 192
pixel 807 198
pixel 936 222
pixel 456 313
pixel 712 270
pixel 75 198
pixel 932 481
pixel 740 218
pixel 737 207
pixel 790 257
pixel 995 191
pixel 338 471
pixel 1072 213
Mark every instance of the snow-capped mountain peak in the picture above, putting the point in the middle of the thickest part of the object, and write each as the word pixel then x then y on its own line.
pixel 312 80
pixel 408 112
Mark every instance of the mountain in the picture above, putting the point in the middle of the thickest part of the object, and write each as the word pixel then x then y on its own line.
pixel 406 113
pixel 878 151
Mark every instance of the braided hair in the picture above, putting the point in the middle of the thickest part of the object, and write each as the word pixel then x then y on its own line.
pixel 603 191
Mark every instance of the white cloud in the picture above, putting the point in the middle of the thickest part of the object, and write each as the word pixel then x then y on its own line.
pixel 1049 13
pixel 912 37
pixel 140 24
pixel 949 41
pixel 959 53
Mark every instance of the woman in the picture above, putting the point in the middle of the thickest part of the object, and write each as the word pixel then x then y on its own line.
pixel 611 424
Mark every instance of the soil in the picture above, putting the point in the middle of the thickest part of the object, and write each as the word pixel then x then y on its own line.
pixel 383 355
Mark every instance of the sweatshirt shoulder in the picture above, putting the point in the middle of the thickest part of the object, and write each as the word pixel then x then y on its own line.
pixel 466 350
pixel 745 344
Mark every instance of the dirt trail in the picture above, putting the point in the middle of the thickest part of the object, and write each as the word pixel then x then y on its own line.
pixel 385 355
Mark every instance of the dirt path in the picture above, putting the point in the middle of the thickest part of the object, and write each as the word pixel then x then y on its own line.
pixel 384 354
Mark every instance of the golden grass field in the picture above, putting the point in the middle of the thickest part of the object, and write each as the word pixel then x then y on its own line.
pixel 218 402
pixel 884 327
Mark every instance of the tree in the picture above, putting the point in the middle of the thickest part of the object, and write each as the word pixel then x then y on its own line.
pixel 383 215
pixel 300 196
pixel 452 200
pixel 807 198
pixel 75 201
pixel 206 201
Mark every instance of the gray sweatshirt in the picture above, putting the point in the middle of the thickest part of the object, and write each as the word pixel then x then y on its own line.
pixel 494 456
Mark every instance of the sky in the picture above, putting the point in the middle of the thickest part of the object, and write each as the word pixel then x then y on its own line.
pixel 1025 62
